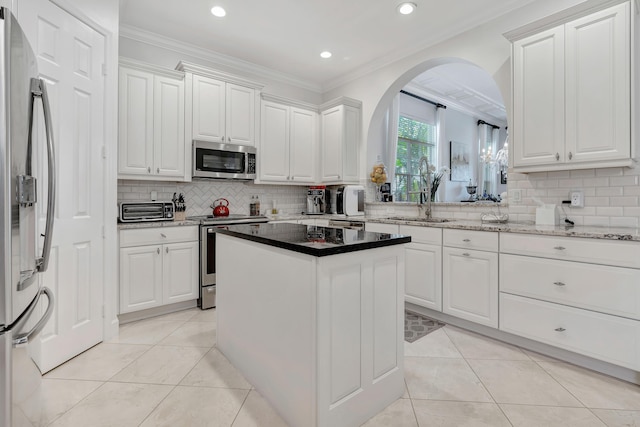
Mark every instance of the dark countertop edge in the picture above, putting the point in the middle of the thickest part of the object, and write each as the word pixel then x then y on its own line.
pixel 319 252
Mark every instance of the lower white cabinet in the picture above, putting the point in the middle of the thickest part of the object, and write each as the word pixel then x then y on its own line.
pixel 423 266
pixel 158 266
pixel 470 276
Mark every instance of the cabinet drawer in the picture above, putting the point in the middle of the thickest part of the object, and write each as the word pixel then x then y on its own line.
pixel 596 251
pixel 432 236
pixel 601 336
pixel 480 240
pixel 612 290
pixel 377 227
pixel 158 235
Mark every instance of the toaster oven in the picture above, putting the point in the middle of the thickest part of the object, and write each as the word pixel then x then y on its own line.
pixel 146 211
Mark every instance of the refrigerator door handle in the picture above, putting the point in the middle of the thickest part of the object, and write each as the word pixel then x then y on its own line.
pixel 39 89
pixel 23 339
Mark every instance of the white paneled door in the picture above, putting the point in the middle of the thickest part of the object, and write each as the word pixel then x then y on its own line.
pixel 70 58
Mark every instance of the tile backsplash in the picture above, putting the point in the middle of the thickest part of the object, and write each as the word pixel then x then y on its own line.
pixel 201 193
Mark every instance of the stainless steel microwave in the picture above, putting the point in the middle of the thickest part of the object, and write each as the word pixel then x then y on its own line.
pixel 223 161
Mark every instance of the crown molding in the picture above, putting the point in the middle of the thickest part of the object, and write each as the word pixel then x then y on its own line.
pixel 189 67
pixel 163 42
pixel 343 100
pixel 290 102
pixel 155 69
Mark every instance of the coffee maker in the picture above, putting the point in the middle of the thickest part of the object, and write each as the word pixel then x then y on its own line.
pixel 316 200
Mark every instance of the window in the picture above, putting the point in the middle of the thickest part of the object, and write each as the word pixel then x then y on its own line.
pixel 415 139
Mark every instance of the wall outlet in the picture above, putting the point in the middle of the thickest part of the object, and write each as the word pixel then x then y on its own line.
pixel 516 196
pixel 577 199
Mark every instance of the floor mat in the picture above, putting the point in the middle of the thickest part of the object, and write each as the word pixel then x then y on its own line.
pixel 416 326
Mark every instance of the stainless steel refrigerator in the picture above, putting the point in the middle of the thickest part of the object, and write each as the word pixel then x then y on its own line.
pixel 20 257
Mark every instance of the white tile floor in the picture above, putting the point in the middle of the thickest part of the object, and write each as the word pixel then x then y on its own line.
pixel 166 371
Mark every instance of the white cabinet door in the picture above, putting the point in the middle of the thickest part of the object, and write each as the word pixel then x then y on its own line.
pixel 302 145
pixel 208 109
pixel 598 86
pixel 470 285
pixel 351 145
pixel 240 115
pixel 168 134
pixel 180 272
pixel 332 137
pixel 135 123
pixel 423 275
pixel 140 278
pixel 274 142
pixel 538 92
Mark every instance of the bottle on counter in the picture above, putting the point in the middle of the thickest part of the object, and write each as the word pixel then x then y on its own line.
pixel 252 206
pixel 257 205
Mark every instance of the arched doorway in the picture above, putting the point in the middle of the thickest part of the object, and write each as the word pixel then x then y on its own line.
pixel 471 95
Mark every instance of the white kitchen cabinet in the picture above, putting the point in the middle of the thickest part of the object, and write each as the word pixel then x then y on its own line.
pixel 222 112
pixel 572 93
pixel 340 143
pixel 151 142
pixel 423 266
pixel 158 266
pixel 288 144
pixel 470 276
pixel 578 294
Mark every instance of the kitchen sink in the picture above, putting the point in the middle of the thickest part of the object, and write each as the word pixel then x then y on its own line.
pixel 419 219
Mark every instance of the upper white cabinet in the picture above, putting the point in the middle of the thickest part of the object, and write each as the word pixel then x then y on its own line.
pixel 572 91
pixel 288 143
pixel 220 107
pixel 340 141
pixel 151 142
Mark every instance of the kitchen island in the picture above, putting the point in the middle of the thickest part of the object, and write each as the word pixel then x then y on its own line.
pixel 313 317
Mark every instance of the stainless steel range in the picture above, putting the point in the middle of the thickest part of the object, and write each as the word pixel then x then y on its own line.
pixel 208 226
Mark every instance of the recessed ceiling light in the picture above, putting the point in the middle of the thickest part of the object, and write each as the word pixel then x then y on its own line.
pixel 406 8
pixel 218 11
pixel 326 54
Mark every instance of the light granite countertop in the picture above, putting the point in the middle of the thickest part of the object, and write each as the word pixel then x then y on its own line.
pixel 593 232
pixel 610 233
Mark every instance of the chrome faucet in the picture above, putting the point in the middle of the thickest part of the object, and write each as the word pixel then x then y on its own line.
pixel 425 192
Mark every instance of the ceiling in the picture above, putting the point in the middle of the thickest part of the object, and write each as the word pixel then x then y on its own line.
pixel 287 36
pixel 464 87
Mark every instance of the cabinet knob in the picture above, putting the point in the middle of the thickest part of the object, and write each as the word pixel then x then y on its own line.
pixel 466 240
pixel 166 250
pixel 559 283
pixel 158 170
pixel 559 329
pixel 163 235
pixel 158 251
pixel 148 169
pixel 557 156
pixel 559 248
pixel 466 254
pixel 338 176
pixel 570 155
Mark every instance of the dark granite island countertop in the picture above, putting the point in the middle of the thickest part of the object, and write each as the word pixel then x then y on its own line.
pixel 313 240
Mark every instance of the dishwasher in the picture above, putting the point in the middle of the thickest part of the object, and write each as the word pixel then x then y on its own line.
pixel 347 224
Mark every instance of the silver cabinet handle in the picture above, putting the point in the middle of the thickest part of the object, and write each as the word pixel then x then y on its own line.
pixel 570 155
pixel 559 248
pixel 166 250
pixel 157 170
pixel 557 156
pixel 466 254
pixel 559 283
pixel 158 251
pixel 163 235
pixel 39 89
pixel 148 169
pixel 466 240
pixel 559 329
